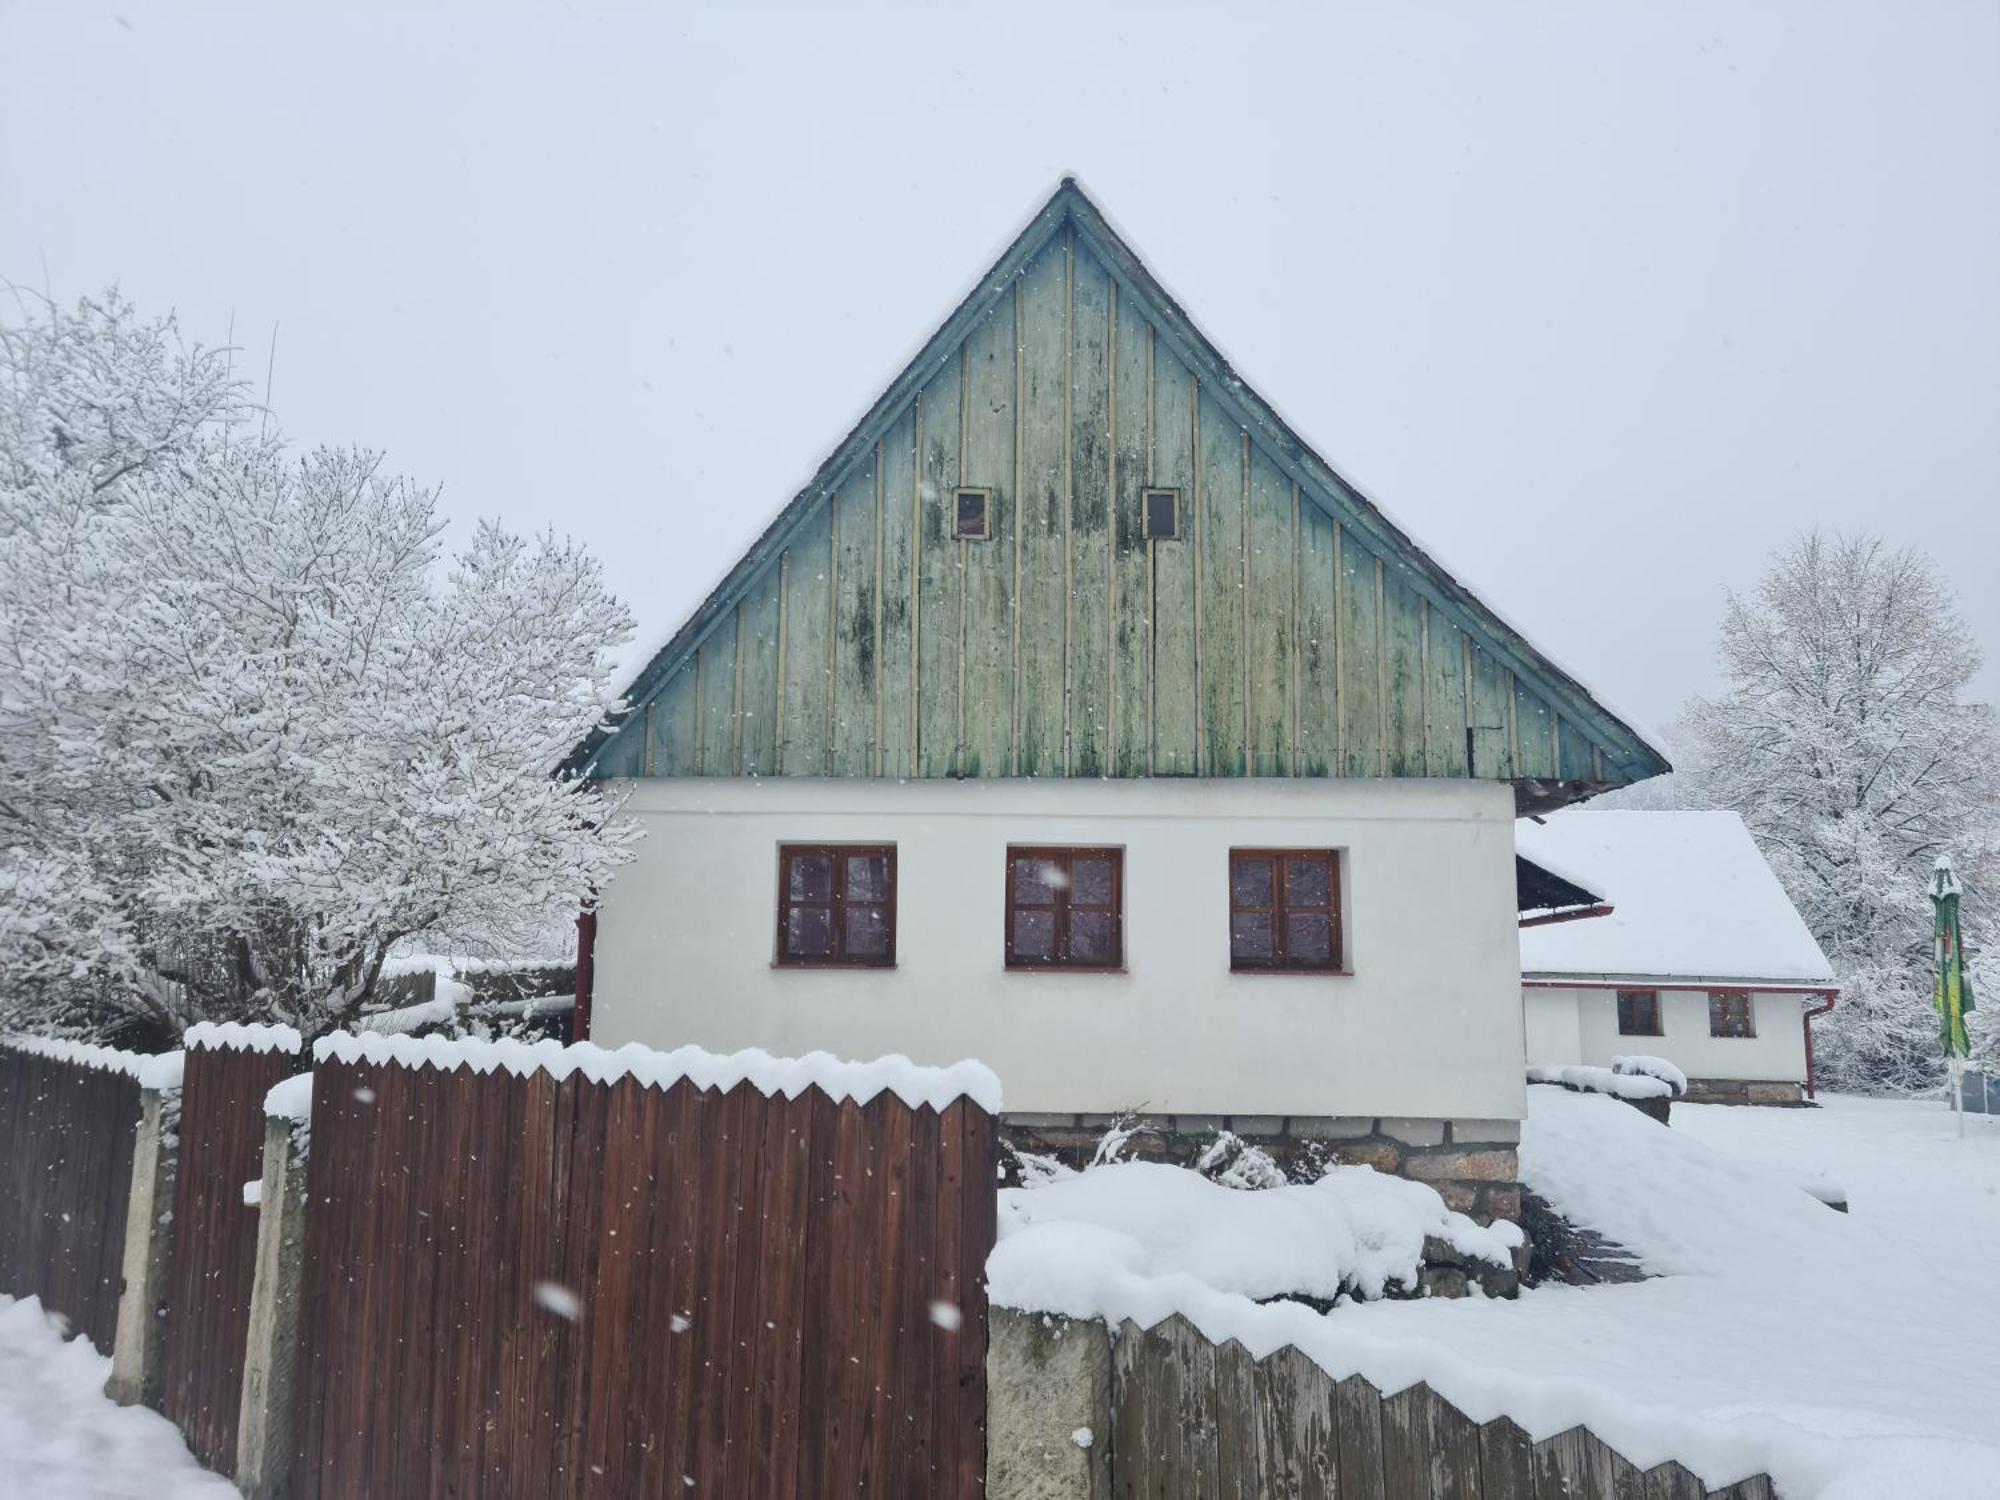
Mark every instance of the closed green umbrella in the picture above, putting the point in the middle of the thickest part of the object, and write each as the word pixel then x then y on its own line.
pixel 1953 993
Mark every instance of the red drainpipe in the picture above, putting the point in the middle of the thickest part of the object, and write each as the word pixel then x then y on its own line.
pixel 586 976
pixel 1818 1010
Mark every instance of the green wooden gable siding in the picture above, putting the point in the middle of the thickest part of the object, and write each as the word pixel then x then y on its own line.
pixel 1288 631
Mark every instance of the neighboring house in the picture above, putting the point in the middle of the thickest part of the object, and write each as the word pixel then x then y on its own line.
pixel 1079 718
pixel 1701 959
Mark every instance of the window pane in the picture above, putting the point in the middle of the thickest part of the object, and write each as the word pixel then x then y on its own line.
pixel 1090 882
pixel 867 931
pixel 1034 935
pixel 1160 513
pixel 1035 882
pixel 809 931
pixel 1307 881
pixel 1250 882
pixel 1308 938
pixel 1092 937
pixel 972 513
pixel 1250 936
pixel 867 877
pixel 811 877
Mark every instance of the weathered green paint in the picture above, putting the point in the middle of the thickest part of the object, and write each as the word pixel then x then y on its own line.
pixel 1288 630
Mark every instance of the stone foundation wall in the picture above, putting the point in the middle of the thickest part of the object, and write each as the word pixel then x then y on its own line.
pixel 1739 1091
pixel 1472 1163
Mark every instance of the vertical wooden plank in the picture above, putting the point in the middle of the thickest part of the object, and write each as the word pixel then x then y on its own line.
pixel 1669 1481
pixel 1219 504
pixel 1199 1407
pixel 1132 581
pixel 673 724
pixel 1091 751
pixel 941 563
pixel 1403 675
pixel 991 355
pixel 1042 611
pixel 1238 1421
pixel 1627 1483
pixel 808 654
pixel 1506 1462
pixel 1577 754
pixel 897 673
pixel 979 1230
pixel 1572 1465
pixel 1361 1470
pixel 1298 1434
pixel 1130 1456
pixel 716 711
pixel 1492 746
pixel 1178 578
pixel 758 704
pixel 1406 1443
pixel 1454 1453
pixel 1360 665
pixel 1318 698
pixel 1756 1487
pixel 1272 574
pixel 1534 734
pixel 855 668
pixel 1445 709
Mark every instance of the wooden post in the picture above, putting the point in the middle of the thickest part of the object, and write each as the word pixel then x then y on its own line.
pixel 138 1357
pixel 264 1429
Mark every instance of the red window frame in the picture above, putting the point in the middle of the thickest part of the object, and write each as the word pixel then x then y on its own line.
pixel 1062 905
pixel 1282 906
pixel 836 905
pixel 1630 1014
pixel 1731 1015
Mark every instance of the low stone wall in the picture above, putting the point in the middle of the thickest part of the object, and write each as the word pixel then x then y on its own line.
pixel 1472 1163
pixel 1742 1091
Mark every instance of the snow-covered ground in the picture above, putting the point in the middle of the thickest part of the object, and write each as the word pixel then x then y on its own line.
pixel 1858 1355
pixel 61 1439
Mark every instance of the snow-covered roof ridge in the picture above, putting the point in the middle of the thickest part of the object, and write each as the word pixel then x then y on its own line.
pixel 1692 898
pixel 839 1079
pixel 153 1070
pixel 242 1036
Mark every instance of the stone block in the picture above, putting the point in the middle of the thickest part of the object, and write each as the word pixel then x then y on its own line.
pixel 1775 1093
pixel 1486 1132
pixel 1414 1132
pixel 1383 1156
pixel 1038 1122
pixel 1472 1165
pixel 1197 1124
pixel 1500 1200
pixel 1461 1197
pixel 1048 1379
pixel 1257 1125
pixel 1330 1127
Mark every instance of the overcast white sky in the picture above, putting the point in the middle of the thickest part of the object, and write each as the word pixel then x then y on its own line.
pixel 1601 302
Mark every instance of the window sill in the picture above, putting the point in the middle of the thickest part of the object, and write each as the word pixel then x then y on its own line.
pixel 822 968
pixel 1065 969
pixel 1644 1036
pixel 1236 973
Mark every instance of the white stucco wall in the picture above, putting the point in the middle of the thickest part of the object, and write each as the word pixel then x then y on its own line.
pixel 1429 1023
pixel 1581 1026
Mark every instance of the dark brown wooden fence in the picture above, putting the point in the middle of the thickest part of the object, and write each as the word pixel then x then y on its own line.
pixel 1189 1417
pixel 215 1242
pixel 66 1135
pixel 525 1287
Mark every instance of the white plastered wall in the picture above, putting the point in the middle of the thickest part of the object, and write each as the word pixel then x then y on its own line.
pixel 1428 1024
pixel 1581 1026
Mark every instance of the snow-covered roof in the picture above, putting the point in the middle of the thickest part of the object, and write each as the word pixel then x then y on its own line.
pixel 1692 899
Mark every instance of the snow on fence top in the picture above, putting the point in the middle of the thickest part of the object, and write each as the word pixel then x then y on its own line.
pixel 156 1070
pixel 791 1076
pixel 239 1036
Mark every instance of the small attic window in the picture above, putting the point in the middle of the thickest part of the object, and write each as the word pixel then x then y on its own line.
pixel 1160 515
pixel 972 515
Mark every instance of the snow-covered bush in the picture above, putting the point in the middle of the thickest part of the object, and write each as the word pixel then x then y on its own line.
pixel 1641 1066
pixel 251 739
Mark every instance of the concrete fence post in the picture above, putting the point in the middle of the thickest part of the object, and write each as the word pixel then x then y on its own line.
pixel 1048 1407
pixel 138 1353
pixel 264 1428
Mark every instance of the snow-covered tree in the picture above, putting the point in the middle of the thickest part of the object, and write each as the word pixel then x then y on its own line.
pixel 250 739
pixel 1846 743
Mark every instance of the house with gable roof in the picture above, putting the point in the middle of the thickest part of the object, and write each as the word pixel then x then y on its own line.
pixel 1686 948
pixel 1079 717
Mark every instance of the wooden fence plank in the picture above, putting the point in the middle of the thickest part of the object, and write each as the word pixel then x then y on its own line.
pixel 1360 1406
pixel 1506 1462
pixel 1407 1443
pixel 1669 1481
